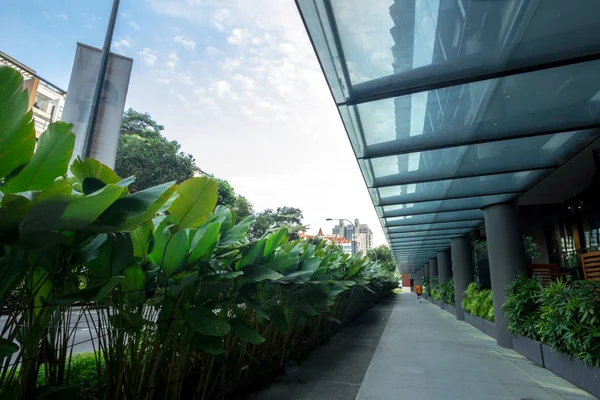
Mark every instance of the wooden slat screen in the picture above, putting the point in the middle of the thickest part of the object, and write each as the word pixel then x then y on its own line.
pixel 591 266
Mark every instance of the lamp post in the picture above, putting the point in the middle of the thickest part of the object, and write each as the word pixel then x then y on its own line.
pixel 353 231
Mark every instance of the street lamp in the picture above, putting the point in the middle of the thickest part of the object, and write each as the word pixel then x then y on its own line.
pixel 353 231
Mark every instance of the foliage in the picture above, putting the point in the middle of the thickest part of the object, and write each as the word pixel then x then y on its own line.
pixel 435 294
pixel 531 249
pixel 284 217
pixel 426 285
pixel 521 307
pixel 433 284
pixel 563 315
pixel 383 255
pixel 447 292
pixel 145 153
pixel 478 302
pixel 182 303
pixel 242 207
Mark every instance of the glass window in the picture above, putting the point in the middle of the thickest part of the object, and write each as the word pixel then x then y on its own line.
pixel 469 203
pixel 439 217
pixel 428 227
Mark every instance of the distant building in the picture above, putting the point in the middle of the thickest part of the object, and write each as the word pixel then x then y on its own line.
pixel 45 99
pixel 336 239
pixel 364 235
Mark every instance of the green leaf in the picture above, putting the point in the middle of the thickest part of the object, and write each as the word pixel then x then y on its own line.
pixel 59 188
pixel 212 345
pixel 253 255
pixel 224 216
pixel 258 273
pixel 134 284
pixel 89 168
pixel 129 212
pixel 238 233
pixel 310 264
pixel 274 240
pixel 92 248
pixel 13 210
pixel 197 199
pixel 170 252
pixel 91 293
pixel 40 287
pixel 245 331
pixel 50 160
pixel 279 319
pixel 142 239
pixel 7 348
pixel 206 322
pixel 17 133
pixel 116 254
pixel 204 242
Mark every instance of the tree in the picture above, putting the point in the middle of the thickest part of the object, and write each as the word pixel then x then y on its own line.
pixel 383 255
pixel 283 217
pixel 242 207
pixel 144 152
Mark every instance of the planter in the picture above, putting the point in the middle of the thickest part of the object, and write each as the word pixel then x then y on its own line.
pixel 489 328
pixel 478 322
pixel 450 308
pixel 530 348
pixel 468 318
pixel 573 370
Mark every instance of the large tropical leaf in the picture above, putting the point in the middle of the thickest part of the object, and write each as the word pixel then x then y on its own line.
pixel 197 199
pixel 13 209
pixel 89 168
pixel 7 348
pixel 170 252
pixel 274 240
pixel 258 273
pixel 245 332
pixel 134 284
pixel 206 322
pixel 17 133
pixel 212 345
pixel 129 212
pixel 143 240
pixel 238 233
pixel 50 160
pixel 116 254
pixel 40 287
pixel 204 242
pixel 253 255
pixel 279 319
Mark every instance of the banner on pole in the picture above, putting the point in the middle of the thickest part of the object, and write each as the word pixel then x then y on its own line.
pixel 80 95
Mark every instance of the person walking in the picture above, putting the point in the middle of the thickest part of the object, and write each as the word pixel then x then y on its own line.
pixel 419 290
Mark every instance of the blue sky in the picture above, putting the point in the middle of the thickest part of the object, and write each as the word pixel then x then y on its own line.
pixel 236 82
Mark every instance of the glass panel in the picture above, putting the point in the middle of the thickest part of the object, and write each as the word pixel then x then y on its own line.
pixel 439 233
pixel 440 217
pixel 445 205
pixel 486 158
pixel 434 240
pixel 462 187
pixel 427 227
pixel 442 37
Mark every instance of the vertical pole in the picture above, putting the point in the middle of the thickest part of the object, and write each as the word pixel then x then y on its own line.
pixel 443 263
pixel 462 266
pixel 91 126
pixel 433 269
pixel 507 258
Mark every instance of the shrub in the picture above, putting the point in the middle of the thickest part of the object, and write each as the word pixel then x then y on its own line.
pixel 447 292
pixel 522 306
pixel 478 302
pixel 435 294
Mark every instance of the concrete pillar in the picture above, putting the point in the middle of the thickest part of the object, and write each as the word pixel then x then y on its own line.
pixel 426 271
pixel 462 267
pixel 444 267
pixel 507 258
pixel 433 269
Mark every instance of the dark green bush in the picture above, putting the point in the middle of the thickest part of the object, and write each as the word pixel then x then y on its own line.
pixel 479 302
pixel 522 306
pixel 447 292
pixel 435 294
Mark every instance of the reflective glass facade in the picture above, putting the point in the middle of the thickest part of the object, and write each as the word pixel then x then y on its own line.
pixel 453 105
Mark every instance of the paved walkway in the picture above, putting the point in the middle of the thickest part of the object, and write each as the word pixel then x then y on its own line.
pixel 402 349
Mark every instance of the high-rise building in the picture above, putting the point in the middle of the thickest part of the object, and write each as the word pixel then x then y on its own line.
pixel 45 99
pixel 364 235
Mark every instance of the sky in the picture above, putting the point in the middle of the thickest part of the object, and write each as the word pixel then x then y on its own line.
pixel 236 82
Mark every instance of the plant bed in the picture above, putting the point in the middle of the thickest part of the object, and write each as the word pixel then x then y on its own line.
pixel 489 328
pixel 532 349
pixel 573 370
pixel 477 322
pixel 450 308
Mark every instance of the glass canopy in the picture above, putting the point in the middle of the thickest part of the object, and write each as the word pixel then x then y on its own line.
pixel 453 105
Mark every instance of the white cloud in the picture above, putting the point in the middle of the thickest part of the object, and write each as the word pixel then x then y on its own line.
pixel 230 64
pixel 173 59
pixel 149 56
pixel 221 18
pixel 164 81
pixel 134 25
pixel 185 42
pixel 247 83
pixel 122 43
pixel 239 36
pixel 61 15
pixel 212 50
pixel 221 88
